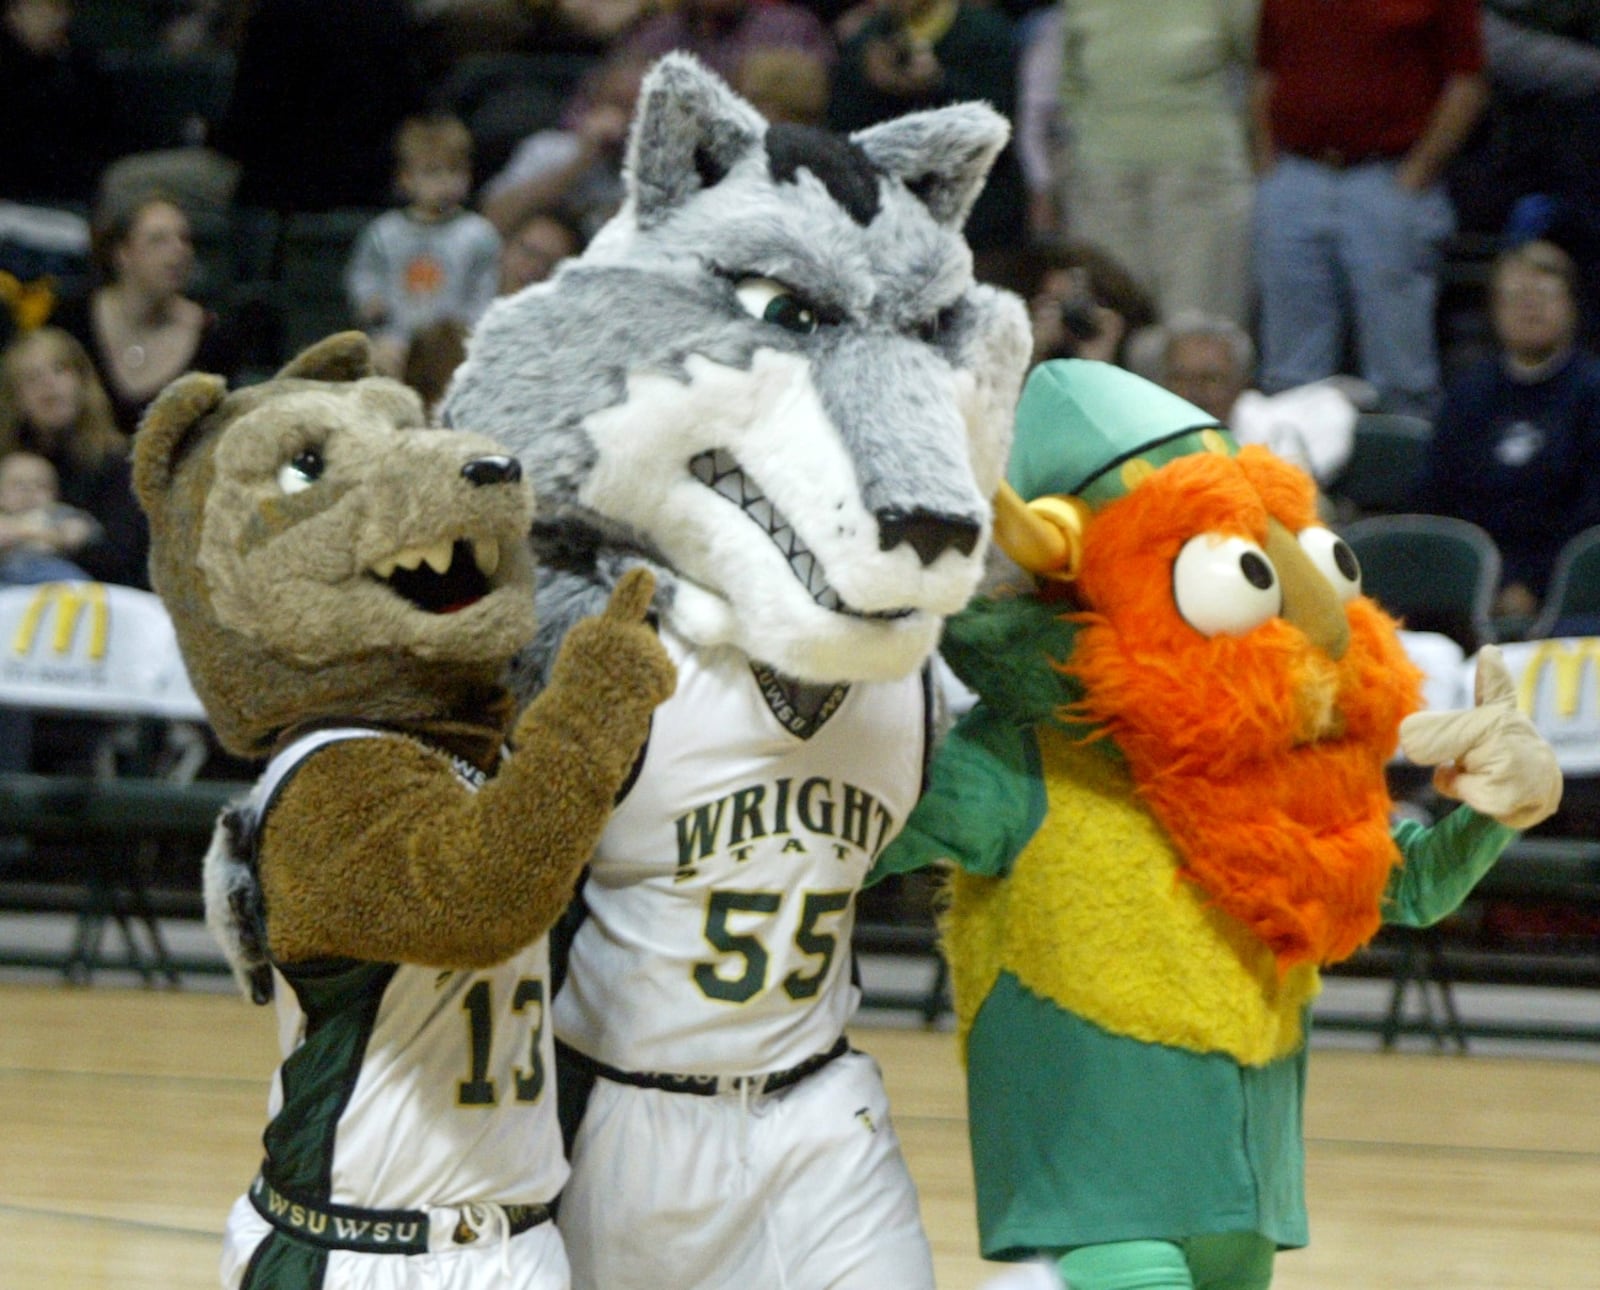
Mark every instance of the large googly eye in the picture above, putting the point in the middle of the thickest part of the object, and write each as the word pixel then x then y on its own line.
pixel 301 472
pixel 774 303
pixel 1225 586
pixel 1334 559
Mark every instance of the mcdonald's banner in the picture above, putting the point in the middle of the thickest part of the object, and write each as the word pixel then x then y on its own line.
pixel 91 647
pixel 1558 686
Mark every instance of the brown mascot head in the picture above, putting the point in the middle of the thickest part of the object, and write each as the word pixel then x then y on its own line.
pixel 323 554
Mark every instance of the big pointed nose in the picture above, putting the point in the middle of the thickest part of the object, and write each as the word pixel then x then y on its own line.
pixel 1309 601
pixel 483 471
pixel 929 534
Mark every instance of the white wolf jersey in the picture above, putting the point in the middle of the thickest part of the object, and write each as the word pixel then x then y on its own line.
pixel 721 898
pixel 402 1088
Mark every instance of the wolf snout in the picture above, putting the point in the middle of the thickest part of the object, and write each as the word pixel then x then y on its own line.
pixel 929 533
pixel 483 471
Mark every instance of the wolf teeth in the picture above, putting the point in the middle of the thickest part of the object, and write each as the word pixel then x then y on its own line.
pixel 438 556
pixel 762 513
pixel 805 568
pixel 486 552
pixel 719 471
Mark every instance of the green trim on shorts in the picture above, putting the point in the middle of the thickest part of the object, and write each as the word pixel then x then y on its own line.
pixel 280 1263
pixel 340 999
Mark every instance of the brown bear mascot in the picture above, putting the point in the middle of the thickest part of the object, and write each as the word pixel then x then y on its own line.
pixel 347 586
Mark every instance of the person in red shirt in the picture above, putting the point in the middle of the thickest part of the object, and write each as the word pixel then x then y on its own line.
pixel 1358 108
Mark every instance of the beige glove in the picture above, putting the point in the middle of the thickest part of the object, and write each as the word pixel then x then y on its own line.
pixel 1489 756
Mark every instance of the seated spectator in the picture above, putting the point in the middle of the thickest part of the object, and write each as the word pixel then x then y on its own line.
pixel 574 171
pixel 137 324
pixel 723 33
pixel 432 260
pixel 787 86
pixel 38 531
pixel 1198 357
pixel 53 100
pixel 1208 360
pixel 911 55
pixel 1517 440
pixel 532 250
pixel 1084 304
pixel 52 404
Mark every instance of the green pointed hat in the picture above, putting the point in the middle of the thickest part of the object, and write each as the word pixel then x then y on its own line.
pixel 1092 430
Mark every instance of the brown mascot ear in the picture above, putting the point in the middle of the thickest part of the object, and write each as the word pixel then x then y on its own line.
pixel 344 356
pixel 164 429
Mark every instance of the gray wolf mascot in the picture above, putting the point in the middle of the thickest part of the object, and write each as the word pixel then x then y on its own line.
pixel 772 381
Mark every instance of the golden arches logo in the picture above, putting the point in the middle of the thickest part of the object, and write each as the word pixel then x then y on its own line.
pixel 69 599
pixel 1567 658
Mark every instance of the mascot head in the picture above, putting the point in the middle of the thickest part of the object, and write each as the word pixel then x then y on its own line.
pixel 323 553
pixel 772 378
pixel 1224 645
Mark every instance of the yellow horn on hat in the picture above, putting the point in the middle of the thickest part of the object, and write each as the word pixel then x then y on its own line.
pixel 1044 536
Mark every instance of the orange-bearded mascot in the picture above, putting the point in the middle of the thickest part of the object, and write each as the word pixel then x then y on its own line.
pixel 1167 809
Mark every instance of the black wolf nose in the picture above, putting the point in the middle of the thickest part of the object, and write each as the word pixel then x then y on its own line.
pixel 492 470
pixel 930 534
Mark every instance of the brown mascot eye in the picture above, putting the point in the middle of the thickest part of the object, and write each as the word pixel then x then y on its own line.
pixel 302 470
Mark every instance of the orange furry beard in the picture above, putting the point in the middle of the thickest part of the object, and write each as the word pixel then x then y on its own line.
pixel 1264 761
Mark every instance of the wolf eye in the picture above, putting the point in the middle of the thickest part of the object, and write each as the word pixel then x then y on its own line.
pixel 930 329
pixel 1225 586
pixel 774 303
pixel 1334 559
pixel 303 470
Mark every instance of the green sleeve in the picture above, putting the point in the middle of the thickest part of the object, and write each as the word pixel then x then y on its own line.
pixel 985 799
pixel 1441 864
pixel 1007 651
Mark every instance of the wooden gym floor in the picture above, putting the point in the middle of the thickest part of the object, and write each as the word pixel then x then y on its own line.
pixel 132 1118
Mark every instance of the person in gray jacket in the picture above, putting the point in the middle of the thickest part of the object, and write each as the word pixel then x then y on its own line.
pixel 431 260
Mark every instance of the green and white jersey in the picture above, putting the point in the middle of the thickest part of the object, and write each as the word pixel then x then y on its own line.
pixel 403 1086
pixel 721 898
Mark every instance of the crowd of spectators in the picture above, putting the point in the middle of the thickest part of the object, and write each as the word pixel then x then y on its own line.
pixel 1231 178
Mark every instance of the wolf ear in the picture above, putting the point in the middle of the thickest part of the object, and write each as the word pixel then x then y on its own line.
pixel 943 156
pixel 689 131
pixel 344 356
pixel 164 432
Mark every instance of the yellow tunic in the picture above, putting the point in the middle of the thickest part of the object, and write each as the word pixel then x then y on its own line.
pixel 1094 917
